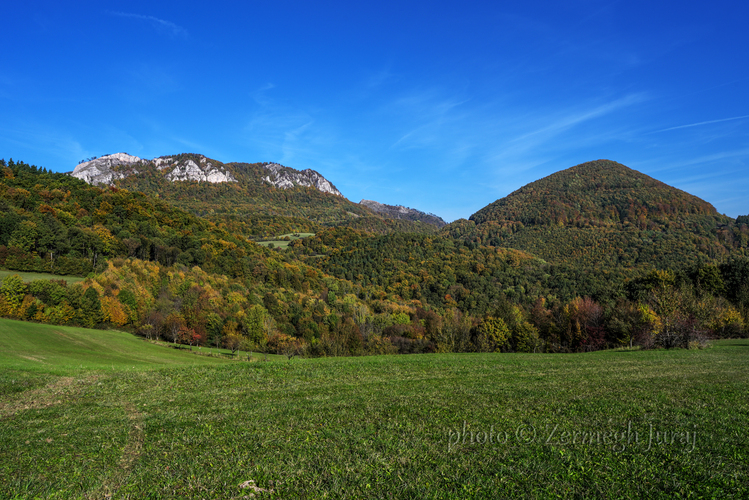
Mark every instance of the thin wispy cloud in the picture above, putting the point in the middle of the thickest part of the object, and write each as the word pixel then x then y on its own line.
pixel 740 154
pixel 698 124
pixel 519 148
pixel 282 132
pixel 259 94
pixel 427 114
pixel 265 87
pixel 578 117
pixel 161 24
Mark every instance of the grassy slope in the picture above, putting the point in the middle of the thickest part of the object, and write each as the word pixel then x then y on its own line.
pixel 284 244
pixel 27 277
pixel 386 426
pixel 62 349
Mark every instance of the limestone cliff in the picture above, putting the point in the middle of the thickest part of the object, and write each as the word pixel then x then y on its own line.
pixel 285 178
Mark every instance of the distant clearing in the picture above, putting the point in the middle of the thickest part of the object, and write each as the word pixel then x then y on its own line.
pixel 27 277
pixel 281 243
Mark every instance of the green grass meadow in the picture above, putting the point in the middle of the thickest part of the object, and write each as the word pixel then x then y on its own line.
pixel 283 244
pixel 106 415
pixel 28 277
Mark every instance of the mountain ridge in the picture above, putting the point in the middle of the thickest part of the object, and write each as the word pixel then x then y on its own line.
pixel 401 212
pixel 301 194
pixel 191 167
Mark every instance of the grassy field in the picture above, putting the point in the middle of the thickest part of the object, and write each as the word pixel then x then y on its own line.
pixel 64 350
pixel 279 243
pixel 619 424
pixel 39 276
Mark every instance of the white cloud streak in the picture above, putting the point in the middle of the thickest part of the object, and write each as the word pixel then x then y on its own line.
pixel 702 123
pixel 577 118
pixel 514 152
pixel 173 29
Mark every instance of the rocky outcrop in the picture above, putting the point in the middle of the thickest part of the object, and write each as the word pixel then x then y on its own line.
pixel 400 212
pixel 109 168
pixel 192 167
pixel 101 170
pixel 286 178
pixel 191 171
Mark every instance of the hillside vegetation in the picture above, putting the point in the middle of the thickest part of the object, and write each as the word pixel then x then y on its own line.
pixel 56 223
pixel 602 213
pixel 255 208
pixel 165 273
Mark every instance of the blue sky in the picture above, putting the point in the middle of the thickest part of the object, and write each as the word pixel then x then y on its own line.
pixel 440 106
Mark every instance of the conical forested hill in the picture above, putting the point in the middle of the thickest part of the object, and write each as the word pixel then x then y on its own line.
pixel 596 193
pixel 604 213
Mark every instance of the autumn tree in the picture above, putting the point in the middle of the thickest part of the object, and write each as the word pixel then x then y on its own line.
pixel 493 335
pixel 90 312
pixel 12 292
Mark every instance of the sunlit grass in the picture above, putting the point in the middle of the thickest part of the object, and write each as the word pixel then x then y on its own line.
pixel 385 426
pixel 279 243
pixel 27 277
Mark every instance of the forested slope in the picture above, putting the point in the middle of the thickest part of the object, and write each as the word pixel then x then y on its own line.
pixel 256 208
pixel 602 213
pixel 163 272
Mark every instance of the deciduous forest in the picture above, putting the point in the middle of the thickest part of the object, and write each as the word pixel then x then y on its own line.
pixel 594 257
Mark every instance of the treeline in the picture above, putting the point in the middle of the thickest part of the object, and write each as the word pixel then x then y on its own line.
pixel 568 308
pixel 289 311
pixel 293 312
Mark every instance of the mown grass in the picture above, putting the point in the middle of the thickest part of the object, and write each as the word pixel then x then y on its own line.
pixel 64 350
pixel 27 277
pixel 387 427
pixel 283 244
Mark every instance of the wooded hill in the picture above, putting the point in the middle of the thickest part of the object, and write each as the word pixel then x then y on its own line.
pixel 162 271
pixel 602 213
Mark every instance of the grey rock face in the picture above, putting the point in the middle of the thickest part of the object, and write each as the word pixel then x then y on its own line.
pixel 99 171
pixel 102 170
pixel 381 207
pixel 205 172
pixel 285 178
pixel 110 168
